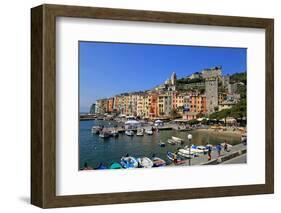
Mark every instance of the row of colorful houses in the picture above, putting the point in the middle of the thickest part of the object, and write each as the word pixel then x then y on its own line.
pixel 173 99
pixel 153 104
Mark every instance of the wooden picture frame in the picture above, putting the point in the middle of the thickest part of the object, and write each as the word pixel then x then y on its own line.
pixel 43 105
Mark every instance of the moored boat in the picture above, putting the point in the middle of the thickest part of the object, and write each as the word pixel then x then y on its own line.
pixel 158 162
pixel 162 144
pixel 171 141
pixel 149 131
pixel 115 133
pixel 177 140
pixel 96 129
pixel 129 132
pixel 104 134
pixel 145 162
pixel 186 153
pixel 175 158
pixel 115 165
pixel 199 149
pixel 129 162
pixel 100 167
pixel 139 132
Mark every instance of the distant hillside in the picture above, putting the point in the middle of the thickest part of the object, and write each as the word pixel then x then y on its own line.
pixel 239 77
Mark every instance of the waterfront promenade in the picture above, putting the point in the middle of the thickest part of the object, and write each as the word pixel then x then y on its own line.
pixel 235 151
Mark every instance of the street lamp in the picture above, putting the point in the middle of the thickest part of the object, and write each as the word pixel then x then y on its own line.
pixel 189 137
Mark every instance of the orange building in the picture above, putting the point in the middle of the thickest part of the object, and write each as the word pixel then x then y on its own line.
pixel 197 103
pixel 153 110
pixel 110 105
pixel 174 100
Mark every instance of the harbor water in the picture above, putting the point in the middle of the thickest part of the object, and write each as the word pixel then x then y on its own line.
pixel 95 150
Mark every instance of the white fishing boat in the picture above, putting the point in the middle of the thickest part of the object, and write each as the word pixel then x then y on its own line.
pixel 104 134
pixel 171 141
pixel 201 149
pixel 178 140
pixel 158 162
pixel 161 144
pixel 140 132
pixel 175 158
pixel 129 162
pixel 96 129
pixel 196 150
pixel 145 162
pixel 114 133
pixel 185 153
pixel 129 132
pixel 149 131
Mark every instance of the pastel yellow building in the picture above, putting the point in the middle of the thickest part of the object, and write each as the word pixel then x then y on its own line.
pixel 140 105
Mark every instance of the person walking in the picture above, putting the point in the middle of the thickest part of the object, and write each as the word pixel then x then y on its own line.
pixel 225 146
pixel 175 159
pixel 218 147
pixel 209 153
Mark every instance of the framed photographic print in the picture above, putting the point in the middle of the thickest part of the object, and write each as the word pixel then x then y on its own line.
pixel 135 106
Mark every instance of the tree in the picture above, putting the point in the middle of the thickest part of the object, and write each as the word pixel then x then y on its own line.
pixel 239 77
pixel 193 122
pixel 223 114
pixel 239 110
pixel 202 90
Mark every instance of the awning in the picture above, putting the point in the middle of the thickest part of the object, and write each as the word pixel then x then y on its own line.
pixel 132 122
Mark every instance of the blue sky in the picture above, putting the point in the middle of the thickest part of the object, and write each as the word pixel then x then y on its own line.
pixel 107 69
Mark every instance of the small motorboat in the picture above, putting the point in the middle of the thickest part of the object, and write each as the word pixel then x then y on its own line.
pixel 162 144
pixel 158 162
pixel 202 150
pixel 177 140
pixel 186 153
pixel 100 167
pixel 171 141
pixel 115 133
pixel 115 165
pixel 171 156
pixel 140 132
pixel 96 129
pixel 175 158
pixel 199 149
pixel 129 132
pixel 149 131
pixel 104 134
pixel 145 162
pixel 129 162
